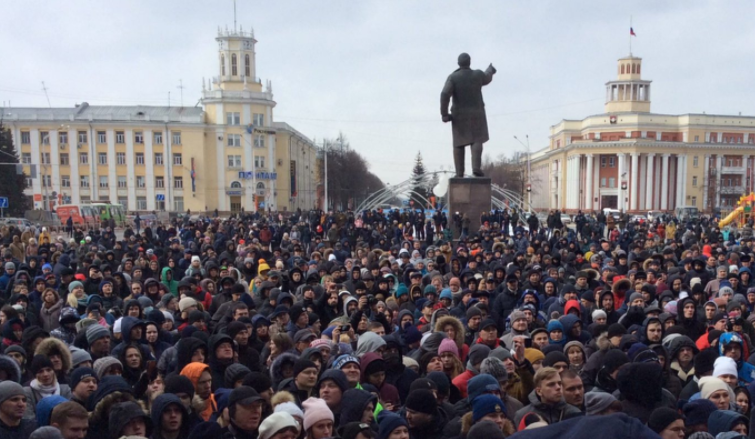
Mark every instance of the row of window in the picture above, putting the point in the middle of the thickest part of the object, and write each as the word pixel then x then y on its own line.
pixel 234 118
pixel 234 161
pixel 84 181
pixel 120 137
pixel 102 158
pixel 234 140
pixel 235 65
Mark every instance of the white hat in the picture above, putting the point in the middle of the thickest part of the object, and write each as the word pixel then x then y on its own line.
pixel 195 258
pixel 290 408
pixel 117 326
pixel 709 385
pixel 599 313
pixel 275 423
pixel 725 366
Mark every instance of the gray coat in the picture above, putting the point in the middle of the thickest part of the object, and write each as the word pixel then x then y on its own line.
pixel 469 121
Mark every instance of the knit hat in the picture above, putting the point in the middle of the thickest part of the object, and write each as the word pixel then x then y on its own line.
pixel 486 404
pixel 46 432
pixel 9 389
pixel 477 353
pixel 422 401
pixel 81 373
pixel 486 429
pixel 725 366
pixel 40 362
pixel 500 353
pixel 473 311
pixel 343 360
pixel 662 417
pixel 599 314
pixel 705 361
pixel 412 335
pixel 708 385
pixel 597 402
pixel 185 303
pixel 233 373
pixel 96 332
pixel 73 286
pixel 516 315
pixel 533 355
pixel 315 410
pixel 480 384
pixel 275 423
pixel 616 330
pixel 290 408
pixel 494 367
pixel 179 384
pixel 389 421
pixel 441 381
pixel 102 364
pixel 79 356
pixel 554 357
pixel 448 345
pixel 698 411
pixel 301 365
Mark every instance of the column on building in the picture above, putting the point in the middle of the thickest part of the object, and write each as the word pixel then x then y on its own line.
pixel 149 166
pixel 620 179
pixel 649 205
pixel 719 168
pixel 112 192
pixel 706 180
pixel 664 181
pixel 680 172
pixel 73 160
pixel 588 183
pixel 745 164
pixel 633 193
pixel 130 172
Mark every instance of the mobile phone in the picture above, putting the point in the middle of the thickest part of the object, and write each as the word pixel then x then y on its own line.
pixel 345 328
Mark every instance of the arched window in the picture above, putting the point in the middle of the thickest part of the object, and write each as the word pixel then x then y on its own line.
pixel 247 66
pixel 260 188
pixel 638 69
pixel 235 185
pixel 622 69
pixel 222 64
pixel 634 68
pixel 234 65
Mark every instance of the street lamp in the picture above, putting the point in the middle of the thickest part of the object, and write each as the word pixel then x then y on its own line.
pixel 529 170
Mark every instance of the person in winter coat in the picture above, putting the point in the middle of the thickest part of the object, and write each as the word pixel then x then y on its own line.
pixel 60 356
pixel 425 418
pixel 201 377
pixel 546 400
pixel 169 417
pixel 45 383
pixel 730 344
pixel 166 278
pixel 373 369
pixel 128 419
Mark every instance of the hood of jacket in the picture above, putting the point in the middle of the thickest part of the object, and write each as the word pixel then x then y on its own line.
pixel 52 346
pixel 159 405
pixel 185 349
pixel 11 368
pixel 124 412
pixel 127 324
pixel 358 400
pixel 368 342
pixel 276 369
pixel 193 371
pixel 458 329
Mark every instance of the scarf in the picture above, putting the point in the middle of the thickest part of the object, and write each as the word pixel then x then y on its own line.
pixel 45 391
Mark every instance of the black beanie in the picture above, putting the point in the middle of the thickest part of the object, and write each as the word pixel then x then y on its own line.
pixel 39 362
pixel 238 289
pixel 616 329
pixel 704 361
pixel 234 328
pixel 554 357
pixel 301 365
pixel 661 418
pixel 614 359
pixel 179 384
pixel 422 401
pixel 258 381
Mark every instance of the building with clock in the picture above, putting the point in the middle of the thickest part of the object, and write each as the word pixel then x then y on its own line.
pixel 632 159
pixel 227 154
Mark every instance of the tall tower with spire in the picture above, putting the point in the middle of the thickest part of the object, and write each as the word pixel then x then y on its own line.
pixel 236 60
pixel 629 93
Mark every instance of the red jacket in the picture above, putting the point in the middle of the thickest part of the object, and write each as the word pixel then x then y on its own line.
pixel 461 381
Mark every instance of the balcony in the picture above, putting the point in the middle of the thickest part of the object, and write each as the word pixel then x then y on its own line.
pixel 729 190
pixel 733 170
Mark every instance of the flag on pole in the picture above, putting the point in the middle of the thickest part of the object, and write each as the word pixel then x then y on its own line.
pixel 631 32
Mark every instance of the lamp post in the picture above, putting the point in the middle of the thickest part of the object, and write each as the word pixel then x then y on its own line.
pixel 325 197
pixel 529 171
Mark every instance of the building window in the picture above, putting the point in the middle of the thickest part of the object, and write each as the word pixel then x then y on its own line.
pixel 141 203
pixel 45 156
pixel 603 162
pixel 64 160
pixel 85 199
pixel 84 181
pixel 694 162
pixel 177 159
pixel 29 181
pixel 258 119
pixel 259 161
pixel 46 181
pixel 697 138
pixel 611 182
pixel 259 141
pixel 158 138
pixel 83 158
pixel 178 204
pixel 139 158
pixel 120 158
pixel 82 137
pixel 247 70
pixel 26 158
pixel 63 138
pixel 234 140
pixel 233 118
pixel 611 162
pixel 178 182
pixel 234 161
pixel 65 181
pixel 122 181
pixel 102 158
pixel 101 137
pixel 713 138
pixel 694 181
pixel 176 137
pixel 120 137
pixel 159 182
pixel 123 201
pixel 103 181
pixel 158 158
pixel 694 201
pixel 139 137
pixel 25 138
pixel 234 65
pixel 140 181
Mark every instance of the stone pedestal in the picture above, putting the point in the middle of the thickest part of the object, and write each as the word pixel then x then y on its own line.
pixel 471 196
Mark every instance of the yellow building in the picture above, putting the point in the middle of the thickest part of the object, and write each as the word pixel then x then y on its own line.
pixel 631 159
pixel 227 154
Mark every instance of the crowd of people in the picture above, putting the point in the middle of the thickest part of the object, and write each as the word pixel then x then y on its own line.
pixel 378 325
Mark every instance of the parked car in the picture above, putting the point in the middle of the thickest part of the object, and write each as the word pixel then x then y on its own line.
pixel 639 219
pixel 613 212
pixel 653 214
pixel 20 223
pixel 565 219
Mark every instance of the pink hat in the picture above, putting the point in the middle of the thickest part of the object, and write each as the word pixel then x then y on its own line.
pixel 448 345
pixel 315 410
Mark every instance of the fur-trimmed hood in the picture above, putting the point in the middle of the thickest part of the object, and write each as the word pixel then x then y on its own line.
pixel 458 329
pixel 51 346
pixel 276 369
pixel 11 368
pixel 466 425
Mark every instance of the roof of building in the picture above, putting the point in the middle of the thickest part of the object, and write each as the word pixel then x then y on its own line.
pixel 86 112
pixel 286 127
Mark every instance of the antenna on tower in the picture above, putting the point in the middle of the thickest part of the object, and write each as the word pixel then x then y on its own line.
pixel 44 88
pixel 234 15
pixel 181 87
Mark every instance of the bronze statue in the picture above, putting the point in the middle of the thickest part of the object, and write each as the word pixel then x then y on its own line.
pixel 470 126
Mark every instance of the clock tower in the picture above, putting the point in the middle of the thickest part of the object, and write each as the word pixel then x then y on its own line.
pixel 236 60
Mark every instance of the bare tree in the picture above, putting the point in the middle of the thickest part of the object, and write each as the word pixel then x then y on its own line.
pixel 349 178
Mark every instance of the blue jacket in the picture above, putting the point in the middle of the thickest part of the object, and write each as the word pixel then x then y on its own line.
pixel 620 425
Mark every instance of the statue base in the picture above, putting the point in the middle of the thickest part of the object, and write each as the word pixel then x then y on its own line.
pixel 471 196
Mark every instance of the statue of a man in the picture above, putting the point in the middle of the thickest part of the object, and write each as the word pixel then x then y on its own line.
pixel 467 116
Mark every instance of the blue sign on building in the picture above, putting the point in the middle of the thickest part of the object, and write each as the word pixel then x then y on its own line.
pixel 248 175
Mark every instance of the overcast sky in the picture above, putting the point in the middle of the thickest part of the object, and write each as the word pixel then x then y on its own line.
pixel 374 69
